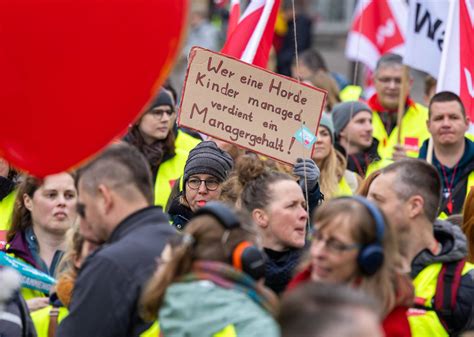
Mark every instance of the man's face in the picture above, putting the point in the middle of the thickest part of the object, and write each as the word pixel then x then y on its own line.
pixel 381 192
pixel 387 82
pixel 91 225
pixel 447 124
pixel 358 132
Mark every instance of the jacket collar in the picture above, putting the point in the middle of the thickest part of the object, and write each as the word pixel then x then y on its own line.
pixel 375 104
pixel 18 246
pixel 142 217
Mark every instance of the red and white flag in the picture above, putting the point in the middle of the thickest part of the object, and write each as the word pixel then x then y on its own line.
pixel 234 16
pixel 456 72
pixel 378 27
pixel 252 39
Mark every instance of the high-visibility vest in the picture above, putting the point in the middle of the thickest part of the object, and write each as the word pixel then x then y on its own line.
pixel 426 322
pixel 42 318
pixel 414 132
pixel 185 142
pixel 6 211
pixel 344 187
pixel 168 174
pixel 350 93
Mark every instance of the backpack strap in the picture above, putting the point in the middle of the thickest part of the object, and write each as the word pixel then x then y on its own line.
pixel 53 321
pixel 447 288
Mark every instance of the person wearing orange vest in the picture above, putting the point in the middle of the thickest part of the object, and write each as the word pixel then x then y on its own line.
pixel 384 104
pixel 453 153
pixel 433 251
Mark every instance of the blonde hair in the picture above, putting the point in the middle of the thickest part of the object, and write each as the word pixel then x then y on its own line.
pixel 332 170
pixel 382 284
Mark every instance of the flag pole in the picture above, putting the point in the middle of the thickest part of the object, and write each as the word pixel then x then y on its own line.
pixel 401 102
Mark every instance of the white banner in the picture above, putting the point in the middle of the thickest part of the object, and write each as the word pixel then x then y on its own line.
pixel 425 34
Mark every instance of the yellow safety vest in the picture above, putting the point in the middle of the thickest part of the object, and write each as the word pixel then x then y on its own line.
pixel 41 320
pixel 185 142
pixel 168 174
pixel 6 211
pixel 414 132
pixel 350 93
pixel 344 189
pixel 470 184
pixel 426 323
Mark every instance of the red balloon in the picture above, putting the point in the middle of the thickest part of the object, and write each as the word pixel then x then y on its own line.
pixel 75 73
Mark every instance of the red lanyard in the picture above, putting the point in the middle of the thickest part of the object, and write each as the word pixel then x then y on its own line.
pixel 449 186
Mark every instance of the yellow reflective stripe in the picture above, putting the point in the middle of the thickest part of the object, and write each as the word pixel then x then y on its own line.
pixel 228 331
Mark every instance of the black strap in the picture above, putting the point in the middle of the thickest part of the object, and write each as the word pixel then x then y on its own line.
pixel 461 186
pixel 447 287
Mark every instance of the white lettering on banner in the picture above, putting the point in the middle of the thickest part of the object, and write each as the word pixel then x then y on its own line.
pixel 432 27
pixel 469 83
pixel 384 31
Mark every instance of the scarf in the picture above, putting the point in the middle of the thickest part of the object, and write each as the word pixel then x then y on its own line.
pixel 228 277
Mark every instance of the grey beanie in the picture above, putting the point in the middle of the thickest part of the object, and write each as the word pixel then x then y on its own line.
pixel 207 158
pixel 341 114
pixel 327 123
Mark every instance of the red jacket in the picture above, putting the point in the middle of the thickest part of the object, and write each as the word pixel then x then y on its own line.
pixel 395 324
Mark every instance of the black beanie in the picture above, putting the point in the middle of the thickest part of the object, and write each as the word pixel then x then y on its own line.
pixel 163 98
pixel 207 158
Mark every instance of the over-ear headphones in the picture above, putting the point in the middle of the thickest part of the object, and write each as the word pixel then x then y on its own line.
pixel 246 256
pixel 371 256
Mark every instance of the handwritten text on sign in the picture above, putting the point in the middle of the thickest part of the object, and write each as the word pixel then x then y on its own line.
pixel 248 106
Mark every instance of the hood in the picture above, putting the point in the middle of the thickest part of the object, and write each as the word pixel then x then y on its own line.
pixel 453 243
pixel 467 160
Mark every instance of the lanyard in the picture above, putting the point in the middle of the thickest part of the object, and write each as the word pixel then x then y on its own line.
pixel 449 186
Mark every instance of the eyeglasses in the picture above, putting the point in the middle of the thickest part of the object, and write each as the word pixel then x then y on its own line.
pixel 332 245
pixel 387 80
pixel 211 184
pixel 158 113
pixel 81 209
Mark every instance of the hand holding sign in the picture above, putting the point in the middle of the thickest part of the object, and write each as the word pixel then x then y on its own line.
pixel 74 74
pixel 249 106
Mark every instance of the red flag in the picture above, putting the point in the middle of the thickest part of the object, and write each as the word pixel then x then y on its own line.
pixel 252 39
pixel 234 16
pixel 378 28
pixel 456 72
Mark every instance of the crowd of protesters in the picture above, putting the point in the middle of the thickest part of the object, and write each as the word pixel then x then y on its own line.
pixel 168 232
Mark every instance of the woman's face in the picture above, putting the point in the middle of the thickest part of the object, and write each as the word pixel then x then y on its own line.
pixel 157 123
pixel 200 189
pixel 53 205
pixel 323 145
pixel 334 252
pixel 286 217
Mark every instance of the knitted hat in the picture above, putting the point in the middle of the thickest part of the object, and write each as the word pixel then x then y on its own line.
pixel 327 123
pixel 207 158
pixel 341 114
pixel 163 98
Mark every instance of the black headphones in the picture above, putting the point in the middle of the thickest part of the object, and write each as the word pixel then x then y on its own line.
pixel 371 256
pixel 246 256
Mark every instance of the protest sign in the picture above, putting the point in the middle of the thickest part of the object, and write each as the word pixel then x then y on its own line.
pixel 249 106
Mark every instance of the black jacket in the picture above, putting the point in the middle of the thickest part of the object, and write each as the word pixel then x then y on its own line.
pixel 108 287
pixel 454 249
pixel 360 161
pixel 463 168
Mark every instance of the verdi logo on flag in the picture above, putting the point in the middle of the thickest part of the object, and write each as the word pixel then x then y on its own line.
pixel 378 27
pixel 425 34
